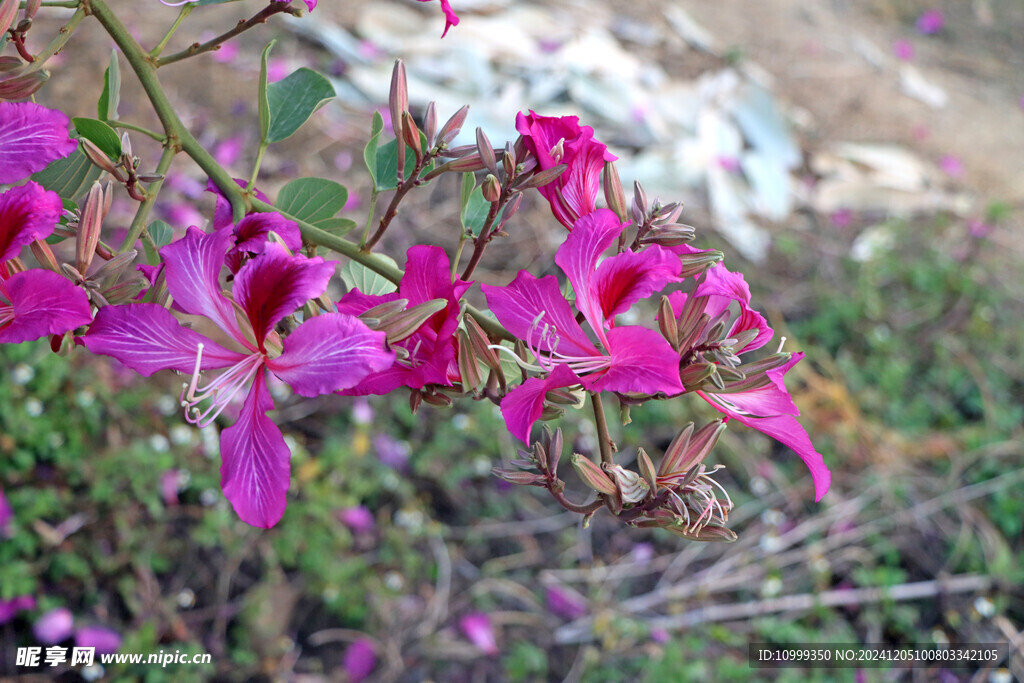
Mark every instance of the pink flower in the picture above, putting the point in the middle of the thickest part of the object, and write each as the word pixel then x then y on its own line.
pixel 10 608
pixel 358 519
pixel 431 349
pixel 565 604
pixel 450 19
pixel 31 136
pixel 105 640
pixel 764 403
pixel 952 166
pixel 54 626
pixel 562 140
pixel 931 21
pixel 903 49
pixel 34 303
pixel 479 631
pixel 323 354
pixel 627 358
pixel 360 659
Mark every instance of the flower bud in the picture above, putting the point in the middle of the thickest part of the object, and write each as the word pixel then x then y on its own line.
pixel 8 11
pixel 403 324
pixel 508 162
pixel 398 103
pixel 544 177
pixel 695 374
pixel 430 123
pixel 614 195
pixel 469 370
pixel 411 134
pixel 41 250
pixel 486 151
pixel 491 189
pixel 100 159
pixel 31 7
pixel 646 468
pixel 21 87
pixel 667 323
pixel 453 126
pixel 519 477
pixel 89 228
pixel 639 204
pixel 10 63
pixel 671 235
pixel 592 475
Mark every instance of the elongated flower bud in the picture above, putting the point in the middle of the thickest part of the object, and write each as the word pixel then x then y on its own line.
pixel 411 134
pixel 614 195
pixel 430 123
pixel 469 370
pixel 21 87
pixel 486 151
pixel 8 10
pixel 100 159
pixel 398 103
pixel 89 228
pixel 592 475
pixel 453 126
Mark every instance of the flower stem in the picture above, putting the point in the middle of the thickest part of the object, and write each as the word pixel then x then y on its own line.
pixel 55 46
pixel 215 43
pixel 256 167
pixel 152 190
pixel 145 70
pixel 186 10
pixel 369 217
pixel 573 507
pixel 138 129
pixel 604 441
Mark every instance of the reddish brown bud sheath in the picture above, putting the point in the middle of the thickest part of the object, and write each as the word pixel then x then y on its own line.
pixel 411 135
pixel 486 151
pixel 398 104
pixel 8 10
pixel 89 228
pixel 21 87
pixel 453 126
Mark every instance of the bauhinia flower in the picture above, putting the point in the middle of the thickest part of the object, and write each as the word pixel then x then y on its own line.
pixel 31 136
pixel 323 354
pixel 428 353
pixel 627 359
pixel 757 396
pixel 562 140
pixel 450 18
pixel 35 302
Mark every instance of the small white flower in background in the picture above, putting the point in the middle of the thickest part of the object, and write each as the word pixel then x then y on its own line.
pixel 22 374
pixel 34 407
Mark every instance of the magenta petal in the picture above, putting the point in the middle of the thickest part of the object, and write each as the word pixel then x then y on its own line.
pixel 360 660
pixel 54 626
pixel 147 338
pixel 251 236
pixel 357 303
pixel 723 287
pixel 41 303
pixel 222 212
pixel 31 136
pixel 428 276
pixel 523 406
pixel 275 283
pixel 578 257
pixel 478 629
pixel 27 213
pixel 105 640
pixel 624 279
pixel 10 608
pixel 642 362
pixel 330 352
pixel 192 266
pixel 256 462
pixel 528 304
pixel 565 603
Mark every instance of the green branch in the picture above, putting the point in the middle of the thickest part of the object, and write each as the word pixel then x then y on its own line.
pixel 152 190
pixel 145 70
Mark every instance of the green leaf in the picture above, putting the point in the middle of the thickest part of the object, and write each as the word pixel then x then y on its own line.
pixel 370 153
pixel 357 276
pixel 110 98
pixel 294 99
pixel 313 200
pixel 70 177
pixel 474 213
pixel 100 134
pixel 387 165
pixel 263 99
pixel 161 233
pixel 468 183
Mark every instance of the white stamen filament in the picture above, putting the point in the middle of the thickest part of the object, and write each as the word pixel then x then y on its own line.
pixel 220 391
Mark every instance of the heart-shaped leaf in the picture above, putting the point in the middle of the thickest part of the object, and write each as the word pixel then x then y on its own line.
pixel 294 99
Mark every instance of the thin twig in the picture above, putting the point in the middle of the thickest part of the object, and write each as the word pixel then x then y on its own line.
pixel 243 26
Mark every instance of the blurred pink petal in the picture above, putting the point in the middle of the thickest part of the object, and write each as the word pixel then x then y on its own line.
pixel 358 519
pixel 931 21
pixel 952 166
pixel 903 49
pixel 105 640
pixel 360 659
pixel 477 628
pixel 54 626
pixel 227 53
pixel 169 487
pixel 10 608
pixel 564 603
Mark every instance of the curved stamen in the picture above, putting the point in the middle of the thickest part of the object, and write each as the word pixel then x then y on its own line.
pixel 220 391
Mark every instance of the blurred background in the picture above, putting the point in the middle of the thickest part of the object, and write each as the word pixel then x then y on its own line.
pixel 859 162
